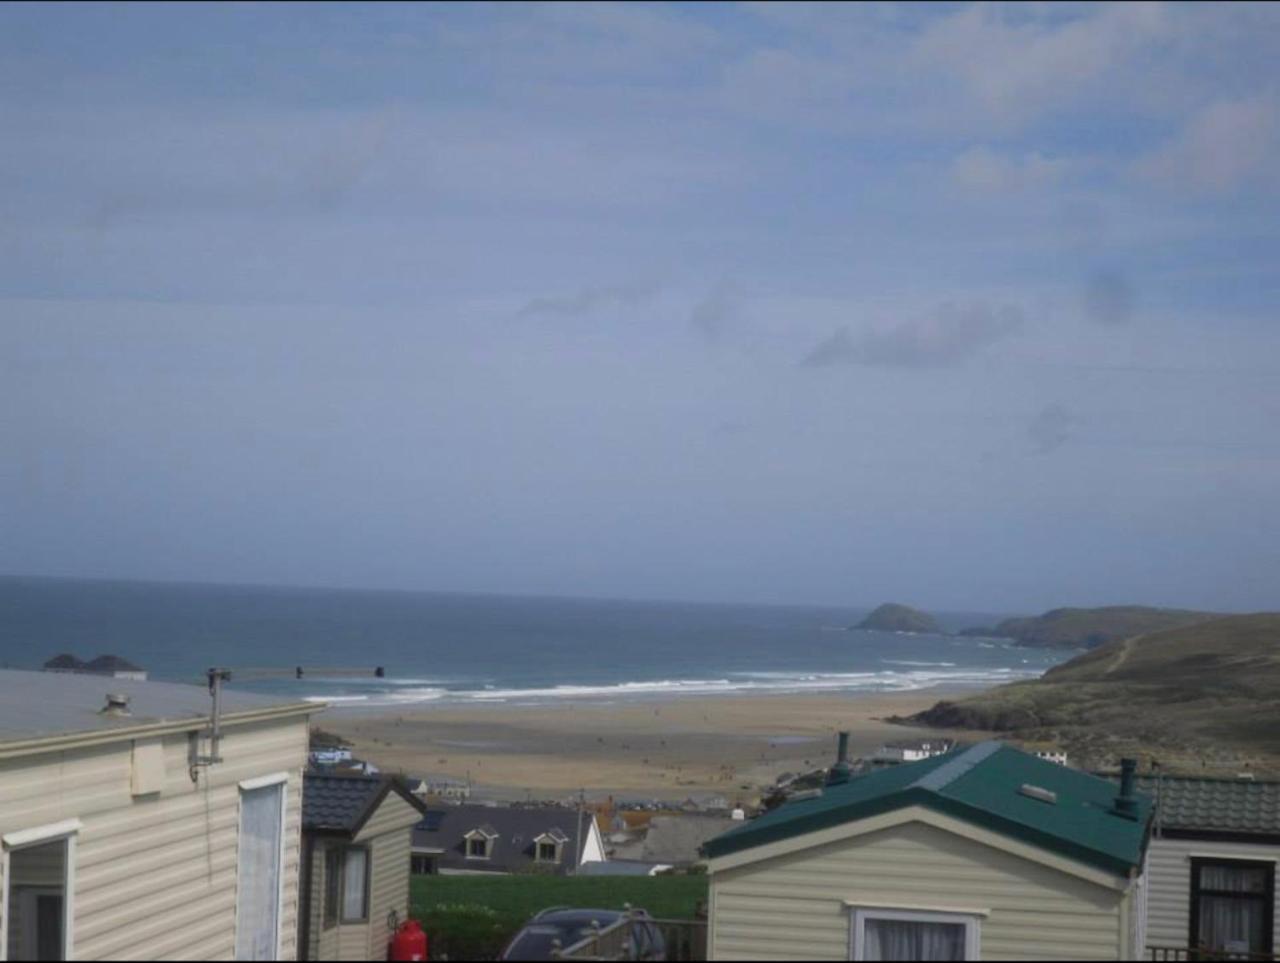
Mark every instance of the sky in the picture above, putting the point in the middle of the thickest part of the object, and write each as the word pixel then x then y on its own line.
pixel 972 307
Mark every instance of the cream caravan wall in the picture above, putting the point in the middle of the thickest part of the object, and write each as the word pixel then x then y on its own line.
pixel 793 905
pixel 155 875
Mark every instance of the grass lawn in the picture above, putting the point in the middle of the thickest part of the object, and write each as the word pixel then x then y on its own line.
pixel 472 917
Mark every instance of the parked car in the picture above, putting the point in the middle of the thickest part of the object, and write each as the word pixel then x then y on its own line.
pixel 642 940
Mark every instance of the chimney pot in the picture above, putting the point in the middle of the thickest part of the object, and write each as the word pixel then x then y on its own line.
pixel 1126 803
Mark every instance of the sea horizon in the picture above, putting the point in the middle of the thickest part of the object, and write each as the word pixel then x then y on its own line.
pixel 447 648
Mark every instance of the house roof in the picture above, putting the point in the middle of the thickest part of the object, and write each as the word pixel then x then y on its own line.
pixel 111 663
pixel 45 705
pixel 64 661
pixel 513 829
pixel 343 804
pixel 674 839
pixel 980 785
pixel 1195 805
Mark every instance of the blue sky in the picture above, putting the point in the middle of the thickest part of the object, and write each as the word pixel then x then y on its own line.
pixel 971 306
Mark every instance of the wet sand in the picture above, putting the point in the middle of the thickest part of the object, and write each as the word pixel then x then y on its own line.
pixel 732 745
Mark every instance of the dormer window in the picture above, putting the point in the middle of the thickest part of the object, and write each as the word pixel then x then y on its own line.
pixel 548 847
pixel 479 842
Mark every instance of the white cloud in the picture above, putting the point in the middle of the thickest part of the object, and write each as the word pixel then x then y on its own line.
pixel 1221 147
pixel 985 170
pixel 1018 61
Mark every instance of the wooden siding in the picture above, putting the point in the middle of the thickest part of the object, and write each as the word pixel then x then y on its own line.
pixel 155 875
pixel 389 836
pixel 793 906
pixel 1169 892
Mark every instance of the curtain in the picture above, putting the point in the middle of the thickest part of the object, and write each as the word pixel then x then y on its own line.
pixel 259 872
pixel 1232 908
pixel 1233 925
pixel 353 888
pixel 909 940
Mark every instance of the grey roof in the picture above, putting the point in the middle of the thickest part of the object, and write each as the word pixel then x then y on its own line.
pixel 42 704
pixel 343 804
pixel 674 839
pixel 1191 804
pixel 516 828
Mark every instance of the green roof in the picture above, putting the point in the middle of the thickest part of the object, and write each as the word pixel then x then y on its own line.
pixel 981 785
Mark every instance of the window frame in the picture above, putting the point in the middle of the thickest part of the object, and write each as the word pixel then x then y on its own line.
pixel 67 833
pixel 1267 897
pixel 334 894
pixel 243 787
pixel 859 915
pixel 476 836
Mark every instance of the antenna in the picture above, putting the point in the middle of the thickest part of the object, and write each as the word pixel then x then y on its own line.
pixel 218 676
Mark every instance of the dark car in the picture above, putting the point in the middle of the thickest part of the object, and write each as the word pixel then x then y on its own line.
pixel 565 927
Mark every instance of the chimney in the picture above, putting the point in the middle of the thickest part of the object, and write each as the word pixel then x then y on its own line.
pixel 840 772
pixel 117 705
pixel 1126 803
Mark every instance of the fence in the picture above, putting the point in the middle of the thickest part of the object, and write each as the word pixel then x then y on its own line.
pixel 631 938
pixel 1169 954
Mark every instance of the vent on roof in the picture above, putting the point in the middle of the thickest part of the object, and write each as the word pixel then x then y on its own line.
pixel 1038 793
pixel 117 705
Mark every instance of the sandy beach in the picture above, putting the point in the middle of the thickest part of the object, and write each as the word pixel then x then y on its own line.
pixel 732 745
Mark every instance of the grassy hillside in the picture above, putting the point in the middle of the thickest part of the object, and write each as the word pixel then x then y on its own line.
pixel 1203 696
pixel 473 917
pixel 1088 628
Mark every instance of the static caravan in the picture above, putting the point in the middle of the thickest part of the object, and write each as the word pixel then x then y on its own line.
pixel 1213 865
pixel 356 845
pixel 126 833
pixel 982 853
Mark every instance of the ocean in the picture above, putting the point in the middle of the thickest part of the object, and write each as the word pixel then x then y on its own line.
pixel 439 648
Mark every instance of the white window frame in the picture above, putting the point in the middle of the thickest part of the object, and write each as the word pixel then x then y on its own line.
pixel 860 914
pixel 280 779
pixel 488 844
pixel 67 832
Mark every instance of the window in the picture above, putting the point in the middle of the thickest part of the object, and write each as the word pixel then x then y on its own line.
pixel 1232 903
pixel 39 868
pixel 913 935
pixel 346 890
pixel 260 869
pixel 477 847
pixel 548 853
pixel 421 865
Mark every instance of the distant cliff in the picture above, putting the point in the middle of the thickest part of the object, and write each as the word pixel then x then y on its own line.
pixel 891 617
pixel 1089 628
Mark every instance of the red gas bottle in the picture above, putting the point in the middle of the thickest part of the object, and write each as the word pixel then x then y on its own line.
pixel 410 943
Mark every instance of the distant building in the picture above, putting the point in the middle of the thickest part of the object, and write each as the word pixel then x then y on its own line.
pixel 893 753
pixel 443 788
pixel 330 756
pixel 1052 755
pixel 672 839
pixel 106 665
pixel 471 839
